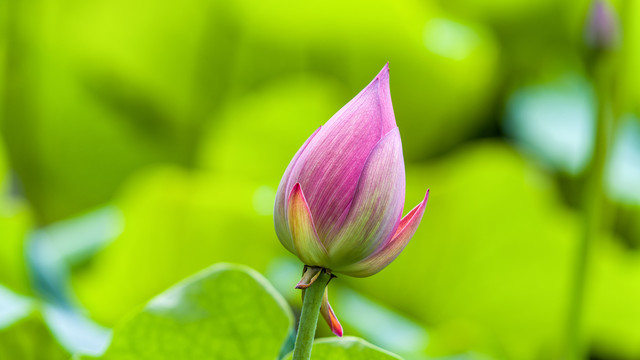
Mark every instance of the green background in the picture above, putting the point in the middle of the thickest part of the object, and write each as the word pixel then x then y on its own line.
pixel 142 141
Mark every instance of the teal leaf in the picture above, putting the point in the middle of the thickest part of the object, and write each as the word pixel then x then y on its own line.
pixel 54 249
pixel 74 331
pixel 623 166
pixel 224 312
pixel 554 121
pixel 13 307
pixel 347 348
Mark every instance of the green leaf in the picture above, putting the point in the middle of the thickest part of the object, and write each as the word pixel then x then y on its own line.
pixel 614 291
pixel 224 312
pixel 347 348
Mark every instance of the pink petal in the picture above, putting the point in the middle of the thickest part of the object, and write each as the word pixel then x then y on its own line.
pixel 306 243
pixel 391 250
pixel 330 166
pixel 329 315
pixel 280 211
pixel 384 94
pixel 375 211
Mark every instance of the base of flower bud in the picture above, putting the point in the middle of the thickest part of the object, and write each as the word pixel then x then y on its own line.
pixel 311 305
pixel 309 276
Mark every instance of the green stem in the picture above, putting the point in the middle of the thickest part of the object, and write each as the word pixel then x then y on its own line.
pixel 592 219
pixel 309 317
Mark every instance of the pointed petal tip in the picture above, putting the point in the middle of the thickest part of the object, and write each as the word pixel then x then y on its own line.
pixel 333 322
pixel 337 331
pixel 417 211
pixel 423 204
pixel 384 98
pixel 418 208
pixel 329 315
pixel 295 189
pixel 384 73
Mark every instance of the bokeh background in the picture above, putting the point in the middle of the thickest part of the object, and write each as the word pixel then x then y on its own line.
pixel 143 141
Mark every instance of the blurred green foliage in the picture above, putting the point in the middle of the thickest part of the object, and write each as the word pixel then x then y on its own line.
pixel 183 118
pixel 135 87
pixel 15 221
pixel 159 248
pixel 29 339
pixel 484 273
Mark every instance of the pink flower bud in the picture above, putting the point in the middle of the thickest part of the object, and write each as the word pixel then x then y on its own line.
pixel 603 26
pixel 340 200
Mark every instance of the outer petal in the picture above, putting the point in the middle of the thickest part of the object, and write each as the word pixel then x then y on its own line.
pixel 327 313
pixel 279 210
pixel 329 316
pixel 330 167
pixel 376 208
pixel 306 243
pixel 391 250
pixel 384 96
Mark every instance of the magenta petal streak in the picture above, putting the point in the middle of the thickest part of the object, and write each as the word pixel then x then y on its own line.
pixel 377 204
pixel 331 165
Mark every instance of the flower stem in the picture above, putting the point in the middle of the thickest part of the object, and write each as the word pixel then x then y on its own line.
pixel 309 317
pixel 592 217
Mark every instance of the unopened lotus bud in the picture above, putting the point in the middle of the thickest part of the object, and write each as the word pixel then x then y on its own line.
pixel 602 31
pixel 339 204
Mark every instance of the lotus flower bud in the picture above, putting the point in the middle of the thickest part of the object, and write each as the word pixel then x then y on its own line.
pixel 339 203
pixel 603 26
